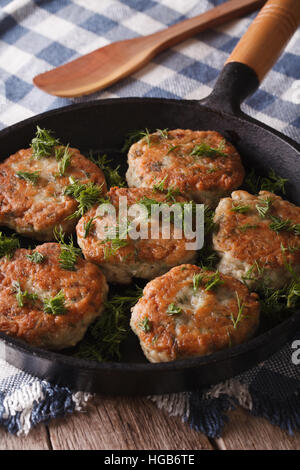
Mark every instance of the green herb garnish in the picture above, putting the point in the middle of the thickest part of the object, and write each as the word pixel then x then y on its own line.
pixel 145 325
pixel 43 143
pixel 30 177
pixel 88 226
pixel 163 133
pixel 55 305
pixel 63 156
pixel 241 208
pixel 36 257
pixel 104 337
pixel 114 245
pixel 210 281
pixel 69 253
pixel 240 315
pixel 172 148
pixel 112 175
pixel 205 150
pixel 264 207
pixel 86 194
pixel 173 310
pixel 278 225
pixel 160 186
pixel 23 296
pixel 272 183
pixel 197 278
pixel 8 245
pixel 245 227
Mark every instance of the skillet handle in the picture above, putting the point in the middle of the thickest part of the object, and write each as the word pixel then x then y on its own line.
pixel 267 36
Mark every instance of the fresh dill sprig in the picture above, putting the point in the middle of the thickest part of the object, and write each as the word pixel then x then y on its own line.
pixel 264 207
pixel 69 253
pixel 173 310
pixel 245 227
pixel 209 223
pixel 147 202
pixel 30 177
pixel 205 150
pixel 112 175
pixel 135 136
pixel 63 157
pixel 88 226
pixel 55 305
pixel 255 271
pixel 43 143
pixel 172 148
pixel 240 316
pixel 278 225
pixel 36 257
pixel 86 194
pixel 210 281
pixel 145 325
pixel 8 245
pixel 112 246
pixel 105 336
pixel 272 183
pixel 213 281
pixel 23 296
pixel 172 192
pixel 197 278
pixel 241 208
pixel 164 133
pixel 161 185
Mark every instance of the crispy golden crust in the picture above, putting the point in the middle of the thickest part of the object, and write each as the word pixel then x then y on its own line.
pixel 157 254
pixel 257 243
pixel 34 210
pixel 207 319
pixel 85 290
pixel 204 179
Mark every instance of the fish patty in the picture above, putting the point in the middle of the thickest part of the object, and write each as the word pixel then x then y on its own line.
pixel 257 238
pixel 190 312
pixel 34 205
pixel 201 164
pixel 26 287
pixel 122 259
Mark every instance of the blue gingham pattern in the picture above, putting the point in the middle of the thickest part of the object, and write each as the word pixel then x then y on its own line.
pixel 37 35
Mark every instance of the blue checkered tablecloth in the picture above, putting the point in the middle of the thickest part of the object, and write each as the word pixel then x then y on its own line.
pixel 37 35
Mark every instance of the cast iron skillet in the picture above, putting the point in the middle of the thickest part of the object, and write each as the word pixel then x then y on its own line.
pixel 103 124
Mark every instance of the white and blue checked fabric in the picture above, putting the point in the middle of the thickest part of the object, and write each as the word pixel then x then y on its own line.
pixel 37 35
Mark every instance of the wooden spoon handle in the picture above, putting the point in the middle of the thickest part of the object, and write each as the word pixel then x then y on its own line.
pixel 267 36
pixel 219 15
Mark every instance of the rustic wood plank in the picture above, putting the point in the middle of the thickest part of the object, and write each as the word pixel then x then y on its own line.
pixel 37 439
pixel 246 432
pixel 124 423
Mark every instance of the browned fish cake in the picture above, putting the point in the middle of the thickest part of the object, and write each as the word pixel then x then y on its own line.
pixel 145 258
pixel 172 157
pixel 249 248
pixel 34 209
pixel 191 312
pixel 84 291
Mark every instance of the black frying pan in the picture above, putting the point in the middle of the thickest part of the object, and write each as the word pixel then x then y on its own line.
pixel 102 125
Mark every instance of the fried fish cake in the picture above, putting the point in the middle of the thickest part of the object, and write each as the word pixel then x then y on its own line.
pixel 45 305
pixel 190 312
pixel 201 164
pixel 121 259
pixel 258 238
pixel 32 191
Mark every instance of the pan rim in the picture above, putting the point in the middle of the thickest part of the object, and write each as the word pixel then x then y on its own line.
pixel 182 364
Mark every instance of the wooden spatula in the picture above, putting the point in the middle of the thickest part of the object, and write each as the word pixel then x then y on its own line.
pixel 107 65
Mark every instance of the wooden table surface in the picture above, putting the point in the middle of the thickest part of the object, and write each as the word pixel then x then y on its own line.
pixel 137 424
